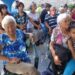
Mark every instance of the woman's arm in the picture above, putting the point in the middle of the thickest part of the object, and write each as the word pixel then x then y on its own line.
pixel 1 56
pixel 13 60
pixel 52 49
pixel 52 42
pixel 4 58
pixel 22 27
pixel 55 57
pixel 36 25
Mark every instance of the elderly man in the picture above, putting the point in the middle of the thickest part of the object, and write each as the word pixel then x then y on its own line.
pixel 50 19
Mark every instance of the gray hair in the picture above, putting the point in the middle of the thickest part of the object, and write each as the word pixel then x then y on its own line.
pixel 62 16
pixel 6 20
pixel 61 10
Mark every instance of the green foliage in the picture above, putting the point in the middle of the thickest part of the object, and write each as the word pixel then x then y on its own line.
pixel 71 6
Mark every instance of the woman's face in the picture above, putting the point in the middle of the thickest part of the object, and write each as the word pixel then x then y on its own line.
pixel 11 29
pixel 65 23
pixel 33 8
pixel 4 10
pixel 72 33
pixel 20 8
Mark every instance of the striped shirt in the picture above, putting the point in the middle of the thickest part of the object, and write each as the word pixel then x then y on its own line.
pixel 51 20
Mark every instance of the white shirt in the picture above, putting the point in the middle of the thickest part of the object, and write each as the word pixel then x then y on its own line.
pixel 35 17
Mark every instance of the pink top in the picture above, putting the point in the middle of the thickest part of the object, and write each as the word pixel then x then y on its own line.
pixel 58 37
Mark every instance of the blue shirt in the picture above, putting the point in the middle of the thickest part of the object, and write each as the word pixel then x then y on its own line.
pixel 16 48
pixel 70 68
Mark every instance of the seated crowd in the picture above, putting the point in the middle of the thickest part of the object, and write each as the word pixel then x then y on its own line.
pixel 59 25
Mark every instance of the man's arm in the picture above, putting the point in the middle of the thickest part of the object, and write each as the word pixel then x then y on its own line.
pixel 49 28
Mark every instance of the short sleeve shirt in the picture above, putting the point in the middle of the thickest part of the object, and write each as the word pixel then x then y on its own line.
pixel 16 48
pixel 58 37
pixel 35 17
pixel 21 19
pixel 51 20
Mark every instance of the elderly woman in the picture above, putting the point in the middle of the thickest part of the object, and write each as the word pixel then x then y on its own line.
pixel 12 42
pixel 70 68
pixel 60 35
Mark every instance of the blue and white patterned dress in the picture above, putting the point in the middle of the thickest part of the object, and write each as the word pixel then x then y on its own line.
pixel 21 19
pixel 16 48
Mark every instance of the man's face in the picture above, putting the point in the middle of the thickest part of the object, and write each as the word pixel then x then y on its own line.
pixel 52 11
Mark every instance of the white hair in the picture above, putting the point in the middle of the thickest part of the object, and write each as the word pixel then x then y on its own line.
pixel 61 9
pixel 6 20
pixel 62 16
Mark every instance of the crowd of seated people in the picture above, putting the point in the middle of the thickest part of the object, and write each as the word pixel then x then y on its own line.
pixel 58 25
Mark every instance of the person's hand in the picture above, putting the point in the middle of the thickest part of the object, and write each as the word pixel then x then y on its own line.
pixel 31 36
pixel 14 60
pixel 39 27
pixel 57 60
